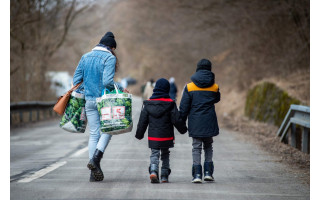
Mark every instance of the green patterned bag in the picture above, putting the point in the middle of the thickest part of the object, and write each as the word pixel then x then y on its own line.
pixel 115 112
pixel 74 118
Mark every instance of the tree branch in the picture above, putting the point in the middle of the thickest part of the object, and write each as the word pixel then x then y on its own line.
pixel 14 70
pixel 68 21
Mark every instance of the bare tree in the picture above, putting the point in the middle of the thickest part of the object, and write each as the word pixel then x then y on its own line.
pixel 38 28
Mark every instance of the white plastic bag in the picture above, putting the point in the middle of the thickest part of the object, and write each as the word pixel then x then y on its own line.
pixel 115 110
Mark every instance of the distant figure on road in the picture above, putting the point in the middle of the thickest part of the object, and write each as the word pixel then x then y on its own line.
pixel 124 83
pixel 173 89
pixel 197 104
pixel 147 92
pixel 96 69
pixel 160 113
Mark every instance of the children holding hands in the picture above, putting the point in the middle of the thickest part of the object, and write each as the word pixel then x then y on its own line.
pixel 160 113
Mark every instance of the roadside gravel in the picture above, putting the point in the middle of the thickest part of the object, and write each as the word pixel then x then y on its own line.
pixel 265 136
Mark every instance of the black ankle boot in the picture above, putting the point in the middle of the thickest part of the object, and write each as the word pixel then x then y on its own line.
pixel 208 169
pixel 153 170
pixel 94 165
pixel 165 172
pixel 197 173
pixel 92 179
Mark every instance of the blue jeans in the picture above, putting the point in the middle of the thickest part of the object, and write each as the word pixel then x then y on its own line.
pixel 96 140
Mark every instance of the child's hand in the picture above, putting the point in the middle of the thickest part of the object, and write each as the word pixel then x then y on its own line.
pixel 186 130
pixel 138 138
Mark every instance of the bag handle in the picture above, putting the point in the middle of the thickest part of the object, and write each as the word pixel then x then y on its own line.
pixel 105 89
pixel 116 87
pixel 75 87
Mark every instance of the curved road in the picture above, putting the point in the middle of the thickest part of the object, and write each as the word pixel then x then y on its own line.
pixel 49 163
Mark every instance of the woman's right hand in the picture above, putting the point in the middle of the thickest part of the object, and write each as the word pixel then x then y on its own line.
pixel 125 90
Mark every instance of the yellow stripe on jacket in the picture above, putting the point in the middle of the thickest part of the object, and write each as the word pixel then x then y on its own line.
pixel 192 87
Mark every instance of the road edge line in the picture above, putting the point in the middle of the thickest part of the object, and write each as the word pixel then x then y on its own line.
pixel 42 172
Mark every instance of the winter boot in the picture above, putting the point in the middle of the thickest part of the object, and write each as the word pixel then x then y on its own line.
pixel 165 172
pixel 153 170
pixel 94 165
pixel 197 173
pixel 91 177
pixel 208 169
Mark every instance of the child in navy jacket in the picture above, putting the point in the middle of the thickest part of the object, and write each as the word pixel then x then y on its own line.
pixel 197 104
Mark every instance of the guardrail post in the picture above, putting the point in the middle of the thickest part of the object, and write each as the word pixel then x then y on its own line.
pixel 293 136
pixel 305 140
pixel 21 116
pixel 38 114
pixel 297 115
pixel 30 116
pixel 286 139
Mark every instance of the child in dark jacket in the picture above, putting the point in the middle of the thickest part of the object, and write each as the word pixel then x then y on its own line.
pixel 197 104
pixel 160 113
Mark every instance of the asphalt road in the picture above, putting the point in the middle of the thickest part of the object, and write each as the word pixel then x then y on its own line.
pixel 50 163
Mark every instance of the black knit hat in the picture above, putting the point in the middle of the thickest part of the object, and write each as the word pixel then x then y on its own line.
pixel 108 40
pixel 161 89
pixel 204 64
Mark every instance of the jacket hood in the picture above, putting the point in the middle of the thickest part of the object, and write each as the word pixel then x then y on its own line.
pixel 157 108
pixel 203 78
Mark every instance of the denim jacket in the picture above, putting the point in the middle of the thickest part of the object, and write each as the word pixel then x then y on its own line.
pixel 96 69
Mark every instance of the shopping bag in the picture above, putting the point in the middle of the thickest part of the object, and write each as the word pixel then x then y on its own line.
pixel 115 110
pixel 74 118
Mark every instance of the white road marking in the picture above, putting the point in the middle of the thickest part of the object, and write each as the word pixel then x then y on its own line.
pixel 42 172
pixel 79 152
pixel 50 168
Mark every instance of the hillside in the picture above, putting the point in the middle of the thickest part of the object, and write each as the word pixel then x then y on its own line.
pixel 247 41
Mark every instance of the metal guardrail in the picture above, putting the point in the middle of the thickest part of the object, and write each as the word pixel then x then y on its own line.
pixel 39 108
pixel 297 115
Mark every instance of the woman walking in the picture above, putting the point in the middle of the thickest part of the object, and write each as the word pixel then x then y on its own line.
pixel 97 69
